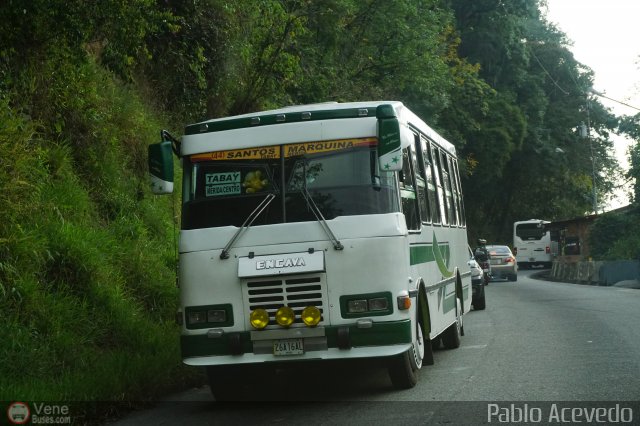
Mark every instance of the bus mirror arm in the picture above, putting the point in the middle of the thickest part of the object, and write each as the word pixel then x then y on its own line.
pixel 320 218
pixel 247 224
pixel 175 143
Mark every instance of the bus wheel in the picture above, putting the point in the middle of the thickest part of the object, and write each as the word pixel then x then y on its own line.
pixel 418 348
pixel 403 368
pixel 451 336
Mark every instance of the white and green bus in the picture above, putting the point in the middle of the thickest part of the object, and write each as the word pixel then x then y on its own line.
pixel 317 232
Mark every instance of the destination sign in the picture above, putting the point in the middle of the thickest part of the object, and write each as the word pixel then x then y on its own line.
pixel 290 150
pixel 218 184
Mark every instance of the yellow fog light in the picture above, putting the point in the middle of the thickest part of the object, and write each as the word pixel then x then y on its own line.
pixel 285 316
pixel 259 318
pixel 311 316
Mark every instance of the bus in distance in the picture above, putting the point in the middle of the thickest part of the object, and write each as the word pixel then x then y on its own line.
pixel 532 243
pixel 317 232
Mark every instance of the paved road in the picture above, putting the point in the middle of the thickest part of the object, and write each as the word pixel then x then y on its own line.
pixel 536 341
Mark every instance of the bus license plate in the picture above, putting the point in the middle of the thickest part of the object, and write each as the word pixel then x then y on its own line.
pixel 288 347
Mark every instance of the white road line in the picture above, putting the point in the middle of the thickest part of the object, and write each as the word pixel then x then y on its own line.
pixel 474 347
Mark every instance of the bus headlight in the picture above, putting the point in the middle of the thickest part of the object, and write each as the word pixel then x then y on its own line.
pixel 197 317
pixel 371 304
pixel 207 316
pixel 216 315
pixel 259 318
pixel 285 316
pixel 357 306
pixel 378 304
pixel 311 316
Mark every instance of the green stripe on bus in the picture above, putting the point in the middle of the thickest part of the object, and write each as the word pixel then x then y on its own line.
pixel 424 253
pixel 421 254
pixel 380 334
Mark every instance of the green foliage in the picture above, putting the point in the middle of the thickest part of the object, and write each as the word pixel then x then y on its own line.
pixel 87 269
pixel 375 50
pixel 524 157
pixel 610 239
pixel 114 32
pixel 225 57
pixel 631 127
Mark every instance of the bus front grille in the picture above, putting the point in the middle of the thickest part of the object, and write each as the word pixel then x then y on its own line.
pixel 296 292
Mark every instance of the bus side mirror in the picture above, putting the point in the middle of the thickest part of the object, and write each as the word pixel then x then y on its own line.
pixel 389 139
pixel 161 167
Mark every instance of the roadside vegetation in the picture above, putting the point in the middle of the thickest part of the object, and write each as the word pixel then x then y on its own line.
pixel 87 254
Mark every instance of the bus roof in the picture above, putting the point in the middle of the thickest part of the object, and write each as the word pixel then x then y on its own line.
pixel 531 221
pixel 300 123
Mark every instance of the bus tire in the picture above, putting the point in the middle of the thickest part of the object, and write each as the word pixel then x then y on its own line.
pixel 403 368
pixel 451 336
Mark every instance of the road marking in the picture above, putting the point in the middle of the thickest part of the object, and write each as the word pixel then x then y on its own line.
pixel 474 347
pixel 461 368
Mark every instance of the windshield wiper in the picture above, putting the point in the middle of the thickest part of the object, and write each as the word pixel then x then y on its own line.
pixel 319 217
pixel 247 224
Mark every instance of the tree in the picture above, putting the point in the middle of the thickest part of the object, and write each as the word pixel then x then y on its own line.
pixel 531 162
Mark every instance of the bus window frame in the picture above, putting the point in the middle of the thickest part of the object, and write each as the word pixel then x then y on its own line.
pixel 435 208
pixel 454 191
pixel 425 207
pixel 444 157
pixel 463 219
pixel 444 217
pixel 410 165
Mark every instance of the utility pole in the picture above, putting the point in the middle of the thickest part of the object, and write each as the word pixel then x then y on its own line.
pixel 585 132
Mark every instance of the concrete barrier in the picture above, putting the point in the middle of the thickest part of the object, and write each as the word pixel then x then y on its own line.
pixel 620 270
pixel 595 272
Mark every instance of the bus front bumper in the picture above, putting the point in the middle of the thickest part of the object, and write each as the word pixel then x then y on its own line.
pixel 331 342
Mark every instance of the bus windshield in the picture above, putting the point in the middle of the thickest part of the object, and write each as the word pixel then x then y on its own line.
pixel 223 188
pixel 530 231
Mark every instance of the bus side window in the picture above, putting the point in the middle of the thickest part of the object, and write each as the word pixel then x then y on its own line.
pixel 458 186
pixel 446 186
pixel 408 192
pixel 455 202
pixel 421 183
pixel 437 167
pixel 431 181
